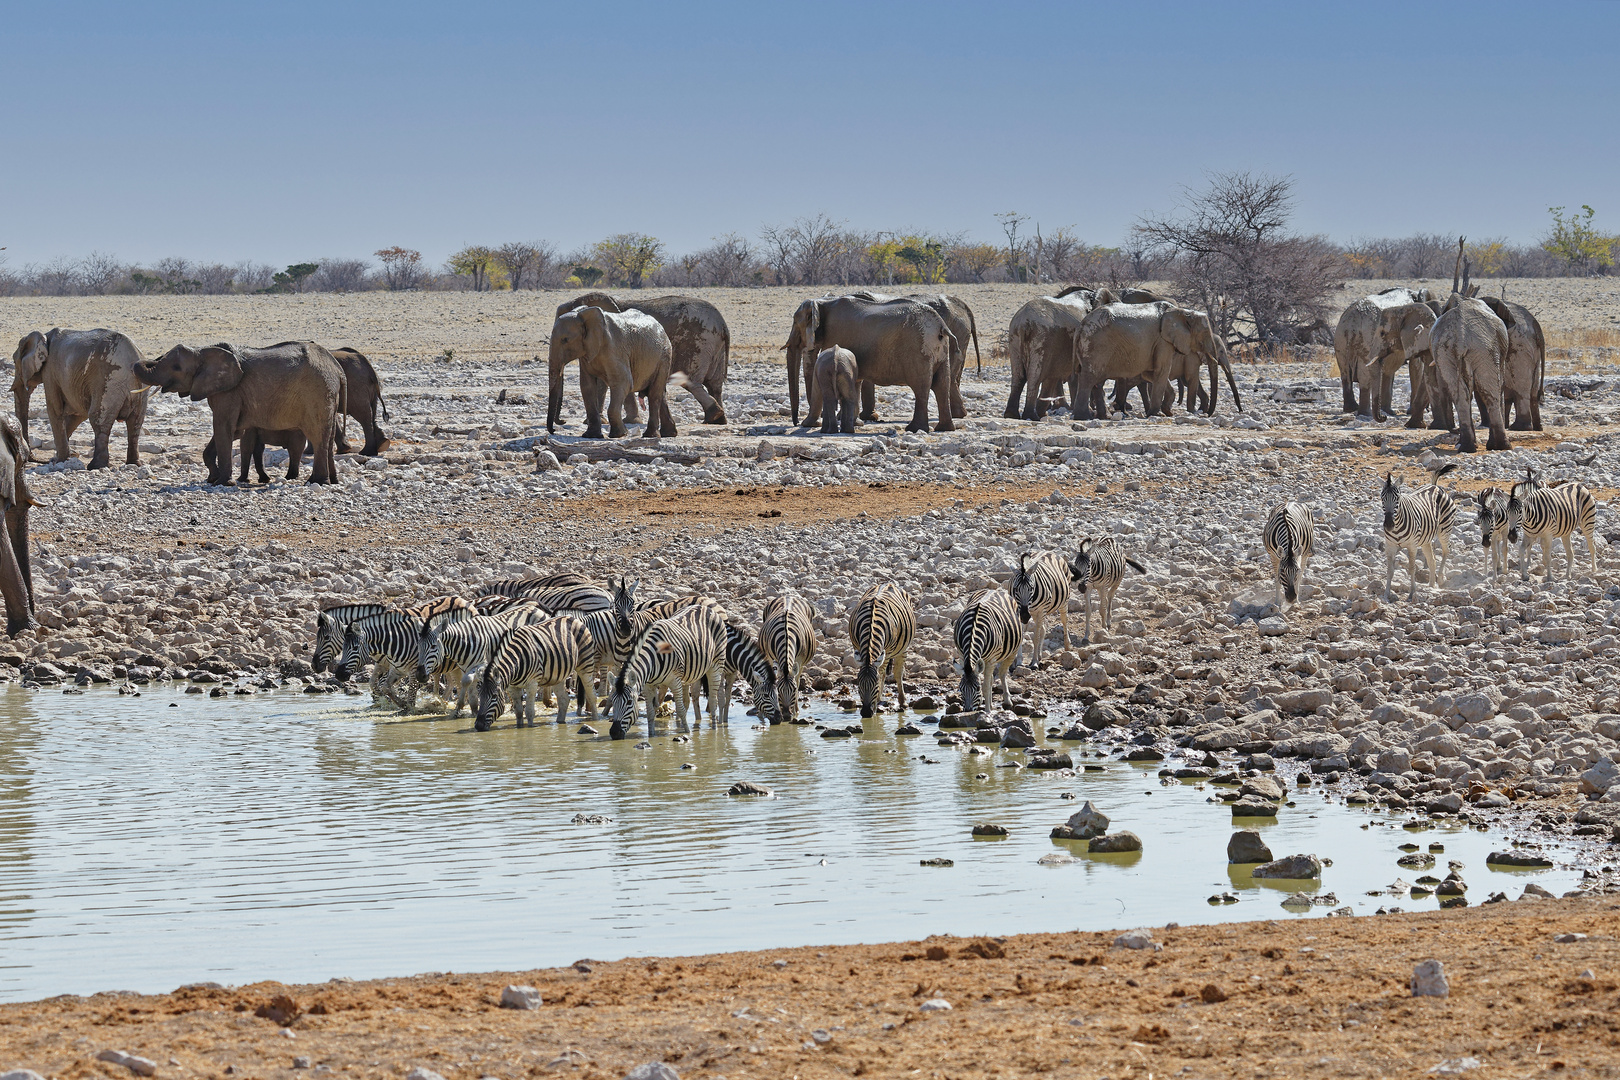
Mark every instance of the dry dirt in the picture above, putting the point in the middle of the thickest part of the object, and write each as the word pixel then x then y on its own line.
pixel 1323 997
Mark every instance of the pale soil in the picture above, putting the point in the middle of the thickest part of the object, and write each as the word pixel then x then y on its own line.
pixel 1307 998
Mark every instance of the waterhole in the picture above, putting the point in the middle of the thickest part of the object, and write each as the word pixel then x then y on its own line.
pixel 151 841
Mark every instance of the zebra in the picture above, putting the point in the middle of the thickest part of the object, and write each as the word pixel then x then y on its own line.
pixel 529 660
pixel 1497 528
pixel 557 592
pixel 330 626
pixel 1040 586
pixel 388 641
pixel 463 650
pixel 436 614
pixel 1413 521
pixel 788 640
pixel 495 603
pixel 675 653
pixel 1100 563
pixel 881 628
pixel 612 631
pixel 988 636
pixel 1545 514
pixel 745 658
pixel 1288 537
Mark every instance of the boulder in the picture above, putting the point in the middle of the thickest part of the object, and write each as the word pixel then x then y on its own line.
pixel 653 1070
pixel 1113 843
pixel 1262 787
pixel 1600 777
pixel 1474 707
pixel 1395 761
pixel 520 997
pixel 1087 822
pixel 1253 806
pixel 748 787
pixel 1304 701
pixel 1247 847
pixel 1429 980
pixel 985 828
pixel 1517 858
pixel 1102 716
pixel 1051 761
pixel 1291 868
pixel 1137 939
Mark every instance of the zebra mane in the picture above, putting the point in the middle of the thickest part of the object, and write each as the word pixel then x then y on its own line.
pixel 635 647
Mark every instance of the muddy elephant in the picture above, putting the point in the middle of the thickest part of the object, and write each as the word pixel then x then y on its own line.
pixel 700 342
pixel 16 578
pixel 1470 348
pixel 87 375
pixel 895 342
pixel 1041 349
pixel 958 320
pixel 620 355
pixel 295 385
pixel 1525 373
pixel 1141 341
pixel 838 381
pixel 1403 338
pixel 1356 344
pixel 254 441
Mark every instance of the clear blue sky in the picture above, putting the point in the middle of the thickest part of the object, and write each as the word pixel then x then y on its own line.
pixel 291 130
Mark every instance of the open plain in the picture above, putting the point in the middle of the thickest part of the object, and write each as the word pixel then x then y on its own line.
pixel 1493 701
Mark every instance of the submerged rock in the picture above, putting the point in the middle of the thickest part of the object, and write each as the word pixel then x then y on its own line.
pixel 1246 846
pixel 1291 868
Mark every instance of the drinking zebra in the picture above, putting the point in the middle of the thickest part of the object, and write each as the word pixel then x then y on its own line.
pixel 330 626
pixel 613 631
pixel 1496 528
pixel 676 654
pixel 746 659
pixel 1546 514
pixel 881 628
pixel 462 651
pixel 988 637
pixel 1040 587
pixel 1098 567
pixel 1413 521
pixel 529 661
pixel 386 640
pixel 1288 536
pixel 788 640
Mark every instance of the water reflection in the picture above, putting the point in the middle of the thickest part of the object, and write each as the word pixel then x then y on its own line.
pixel 296 837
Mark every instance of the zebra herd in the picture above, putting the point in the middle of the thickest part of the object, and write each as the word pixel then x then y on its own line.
pixel 525 641
pixel 1421 520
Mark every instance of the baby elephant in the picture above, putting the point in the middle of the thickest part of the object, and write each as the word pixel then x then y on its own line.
pixel 838 380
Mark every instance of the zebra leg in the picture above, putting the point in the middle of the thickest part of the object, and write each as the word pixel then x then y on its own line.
pixel 1591 551
pixel 462 692
pixel 1389 567
pixel 1087 639
pixel 1063 619
pixel 562 700
pixel 899 665
pixel 1569 556
pixel 1006 695
pixel 1411 570
pixel 1035 649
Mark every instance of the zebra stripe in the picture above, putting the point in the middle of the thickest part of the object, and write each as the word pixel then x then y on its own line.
pixel 1098 567
pixel 673 653
pixel 881 628
pixel 462 651
pixel 1546 514
pixel 788 640
pixel 744 658
pixel 556 592
pixel 330 626
pixel 988 637
pixel 1289 536
pixel 1414 521
pixel 1040 587
pixel 386 640
pixel 1496 526
pixel 529 661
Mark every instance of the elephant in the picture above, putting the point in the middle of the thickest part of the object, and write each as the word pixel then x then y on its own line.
pixel 1356 343
pixel 87 375
pixel 1399 330
pixel 838 380
pixel 294 385
pixel 958 320
pixel 619 353
pixel 363 397
pixel 1186 373
pixel 1041 349
pixel 16 576
pixel 895 342
pixel 699 339
pixel 1526 369
pixel 1130 341
pixel 1470 348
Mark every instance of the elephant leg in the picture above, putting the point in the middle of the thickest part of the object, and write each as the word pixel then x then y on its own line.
pixel 1491 404
pixel 252 449
pixel 1462 398
pixel 617 393
pixel 944 386
pixel 101 449
pixel 665 420
pixel 295 458
pixel 1347 383
pixel 1016 388
pixel 132 434
pixel 958 362
pixel 632 409
pixel 1420 394
pixel 869 402
pixel 919 411
pixel 716 414
pixel 847 408
pixel 592 392
pixel 1080 398
pixel 700 394
pixel 61 426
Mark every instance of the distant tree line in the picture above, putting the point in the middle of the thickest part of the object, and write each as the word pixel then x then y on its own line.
pixel 1229 239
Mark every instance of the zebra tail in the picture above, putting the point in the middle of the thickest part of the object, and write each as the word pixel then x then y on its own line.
pixel 1134 565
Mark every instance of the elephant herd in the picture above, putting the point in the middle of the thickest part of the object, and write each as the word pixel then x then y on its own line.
pixel 1465 349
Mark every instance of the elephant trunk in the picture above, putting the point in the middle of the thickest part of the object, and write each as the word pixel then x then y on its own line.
pixel 793 378
pixel 21 393
pixel 1214 385
pixel 555 391
pixel 1226 366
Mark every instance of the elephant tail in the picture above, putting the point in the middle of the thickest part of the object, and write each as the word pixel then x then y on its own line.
pixel 973 329
pixel 382 403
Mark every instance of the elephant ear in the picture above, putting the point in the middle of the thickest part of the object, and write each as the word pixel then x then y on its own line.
pixel 593 329
pixel 219 370
pixel 1500 309
pixel 11 437
pixel 30 358
pixel 1176 328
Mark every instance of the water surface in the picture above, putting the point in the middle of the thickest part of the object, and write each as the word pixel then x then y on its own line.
pixel 171 838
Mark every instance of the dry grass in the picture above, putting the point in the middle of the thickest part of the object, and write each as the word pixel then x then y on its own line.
pixel 1595 337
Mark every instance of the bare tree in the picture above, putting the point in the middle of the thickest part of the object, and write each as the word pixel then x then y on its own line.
pixel 808 250
pixel 249 276
pixel 526 264
pixel 1233 255
pixel 402 268
pixel 215 278
pixel 1010 222
pixel 340 275
pixel 100 273
pixel 727 261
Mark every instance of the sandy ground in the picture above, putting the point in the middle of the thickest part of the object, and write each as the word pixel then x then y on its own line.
pixel 1322 998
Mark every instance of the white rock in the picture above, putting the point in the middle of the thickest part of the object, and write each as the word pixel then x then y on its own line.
pixel 138 1065
pixel 1429 980
pixel 1137 939
pixel 935 1005
pixel 520 997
